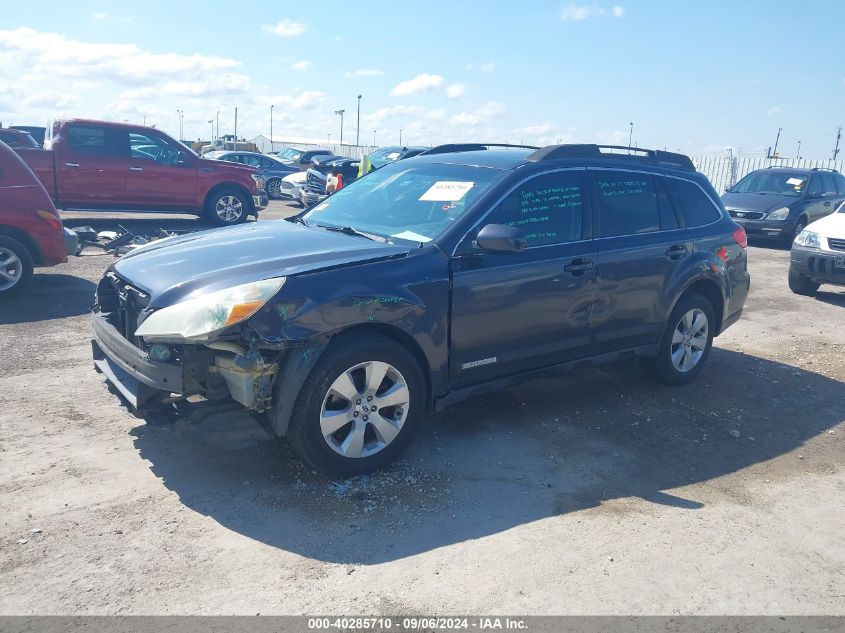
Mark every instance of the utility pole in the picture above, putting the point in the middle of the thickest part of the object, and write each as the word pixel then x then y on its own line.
pixel 358 126
pixel 400 137
pixel 630 134
pixel 235 146
pixel 271 128
pixel 211 121
pixel 340 113
pixel 775 150
pixel 218 124
pixel 838 136
pixel 799 150
pixel 374 137
pixel 180 114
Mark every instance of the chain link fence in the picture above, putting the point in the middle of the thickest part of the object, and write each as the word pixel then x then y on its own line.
pixel 725 171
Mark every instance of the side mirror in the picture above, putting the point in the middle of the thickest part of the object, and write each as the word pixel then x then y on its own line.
pixel 728 189
pixel 500 238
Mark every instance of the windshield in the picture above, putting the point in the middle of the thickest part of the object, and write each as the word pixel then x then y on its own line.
pixel 290 154
pixel 772 182
pixel 406 201
pixel 382 157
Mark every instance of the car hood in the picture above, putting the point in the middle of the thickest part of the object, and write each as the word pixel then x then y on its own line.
pixel 296 177
pixel 757 201
pixel 832 225
pixel 175 268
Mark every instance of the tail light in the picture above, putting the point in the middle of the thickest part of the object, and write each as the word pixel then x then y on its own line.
pixel 740 237
pixel 50 219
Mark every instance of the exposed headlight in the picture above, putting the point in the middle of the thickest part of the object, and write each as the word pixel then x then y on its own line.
pixel 779 214
pixel 259 181
pixel 808 239
pixel 201 318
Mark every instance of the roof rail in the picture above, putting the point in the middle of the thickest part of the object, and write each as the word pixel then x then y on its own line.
pixel 835 171
pixel 657 157
pixel 451 148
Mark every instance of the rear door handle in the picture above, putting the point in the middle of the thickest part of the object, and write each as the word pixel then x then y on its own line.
pixel 136 169
pixel 578 266
pixel 827 204
pixel 71 164
pixel 676 252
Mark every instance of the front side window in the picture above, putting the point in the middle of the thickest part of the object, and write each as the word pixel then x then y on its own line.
pixel 88 139
pixel 144 146
pixel 627 203
pixel 695 206
pixel 548 208
pixel 412 202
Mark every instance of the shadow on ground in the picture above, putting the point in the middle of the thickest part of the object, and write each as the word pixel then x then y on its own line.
pixel 48 296
pixel 547 448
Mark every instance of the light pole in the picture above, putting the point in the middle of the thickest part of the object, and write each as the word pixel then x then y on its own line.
pixel 218 123
pixel 211 122
pixel 799 150
pixel 630 133
pixel 180 114
pixel 374 137
pixel 340 113
pixel 358 125
pixel 400 137
pixel 836 149
pixel 271 128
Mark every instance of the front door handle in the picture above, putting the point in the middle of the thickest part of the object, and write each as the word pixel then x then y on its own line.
pixel 676 252
pixel 71 164
pixel 827 204
pixel 136 169
pixel 578 266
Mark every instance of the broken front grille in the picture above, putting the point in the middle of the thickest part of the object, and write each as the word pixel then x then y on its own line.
pixel 121 304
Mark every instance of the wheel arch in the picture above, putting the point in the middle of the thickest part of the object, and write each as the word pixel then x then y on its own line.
pixel 23 238
pixel 710 290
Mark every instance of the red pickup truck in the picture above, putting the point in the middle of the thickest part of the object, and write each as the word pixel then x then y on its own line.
pixel 115 166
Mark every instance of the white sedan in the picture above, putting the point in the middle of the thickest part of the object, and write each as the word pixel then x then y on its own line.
pixel 818 254
pixel 291 185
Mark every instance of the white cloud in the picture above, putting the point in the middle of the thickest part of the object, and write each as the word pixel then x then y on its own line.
pixel 774 110
pixel 108 17
pixel 284 28
pixel 303 101
pixel 364 72
pixel 576 12
pixel 302 64
pixel 382 114
pixel 488 67
pixel 420 83
pixel 455 90
pixel 484 114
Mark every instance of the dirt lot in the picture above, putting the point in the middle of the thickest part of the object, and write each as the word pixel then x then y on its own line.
pixel 599 492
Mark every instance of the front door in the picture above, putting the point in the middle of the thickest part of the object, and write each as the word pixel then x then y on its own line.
pixel 640 246
pixel 90 167
pixel 161 174
pixel 512 312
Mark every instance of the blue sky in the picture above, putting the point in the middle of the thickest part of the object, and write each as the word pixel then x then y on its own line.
pixel 694 76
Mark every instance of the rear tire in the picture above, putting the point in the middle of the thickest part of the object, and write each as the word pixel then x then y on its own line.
pixel 801 284
pixel 15 266
pixel 686 342
pixel 341 435
pixel 227 206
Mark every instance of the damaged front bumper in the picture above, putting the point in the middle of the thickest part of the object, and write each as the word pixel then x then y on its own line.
pixel 213 370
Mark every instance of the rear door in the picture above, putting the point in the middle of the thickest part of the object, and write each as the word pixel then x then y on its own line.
pixel 513 312
pixel 91 166
pixel 160 174
pixel 640 248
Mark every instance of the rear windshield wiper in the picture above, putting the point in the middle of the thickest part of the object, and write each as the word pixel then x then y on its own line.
pixel 349 230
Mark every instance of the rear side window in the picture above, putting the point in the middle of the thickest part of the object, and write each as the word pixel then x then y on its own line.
pixel 627 203
pixel 91 140
pixel 696 208
pixel 840 183
pixel 828 184
pixel 548 208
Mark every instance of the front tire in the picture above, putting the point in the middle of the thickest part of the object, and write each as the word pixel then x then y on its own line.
pixel 227 206
pixel 360 407
pixel 800 225
pixel 801 284
pixel 274 188
pixel 15 266
pixel 686 342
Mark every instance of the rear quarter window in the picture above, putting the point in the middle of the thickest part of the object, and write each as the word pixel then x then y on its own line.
pixel 694 205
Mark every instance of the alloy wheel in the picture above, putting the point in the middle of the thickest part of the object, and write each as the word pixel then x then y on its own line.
pixel 229 209
pixel 689 340
pixel 11 269
pixel 364 409
pixel 274 189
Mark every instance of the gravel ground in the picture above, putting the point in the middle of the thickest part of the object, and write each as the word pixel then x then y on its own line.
pixel 598 492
